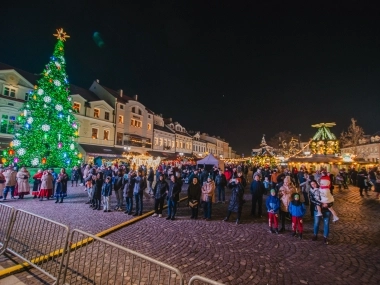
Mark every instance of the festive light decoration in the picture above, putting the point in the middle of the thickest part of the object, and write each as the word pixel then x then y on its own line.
pixel 41 125
pixel 34 161
pixel 15 159
pixel 3 160
pixel 61 36
pixel 45 128
pixel 324 141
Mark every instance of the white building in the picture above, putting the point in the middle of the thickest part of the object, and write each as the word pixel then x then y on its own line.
pixel 368 149
pixel 199 146
pixel 163 137
pixel 183 141
pixel 15 87
pixel 220 150
pixel 134 122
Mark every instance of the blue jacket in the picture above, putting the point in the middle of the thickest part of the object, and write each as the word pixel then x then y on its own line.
pixel 273 203
pixel 297 210
pixel 107 189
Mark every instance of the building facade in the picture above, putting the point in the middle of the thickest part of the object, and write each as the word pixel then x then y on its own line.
pixel 199 146
pixel 163 137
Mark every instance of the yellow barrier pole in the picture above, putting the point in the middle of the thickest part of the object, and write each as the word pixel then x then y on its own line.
pixel 56 253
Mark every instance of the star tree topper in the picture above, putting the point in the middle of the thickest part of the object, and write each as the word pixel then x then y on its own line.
pixel 61 35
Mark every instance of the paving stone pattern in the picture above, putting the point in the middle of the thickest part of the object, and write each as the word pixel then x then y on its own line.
pixel 235 254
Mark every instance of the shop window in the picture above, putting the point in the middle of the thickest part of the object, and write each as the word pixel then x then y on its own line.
pixel 94 133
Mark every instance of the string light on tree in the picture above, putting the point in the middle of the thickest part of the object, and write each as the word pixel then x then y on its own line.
pixel 42 128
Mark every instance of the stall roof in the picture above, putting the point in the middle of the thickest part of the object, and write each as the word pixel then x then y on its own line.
pixel 105 151
pixel 318 158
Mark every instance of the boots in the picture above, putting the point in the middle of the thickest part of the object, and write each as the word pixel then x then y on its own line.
pixel 294 234
pixel 61 200
pixel 300 236
pixel 276 231
pixel 56 201
pixel 271 230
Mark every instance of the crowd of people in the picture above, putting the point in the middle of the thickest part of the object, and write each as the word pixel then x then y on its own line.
pixel 288 193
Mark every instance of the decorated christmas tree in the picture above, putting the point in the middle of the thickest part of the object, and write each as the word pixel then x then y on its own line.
pixel 47 127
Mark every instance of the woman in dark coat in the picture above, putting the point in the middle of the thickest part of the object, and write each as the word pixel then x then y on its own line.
pixel 61 190
pixel 237 199
pixel 194 197
pixel 97 190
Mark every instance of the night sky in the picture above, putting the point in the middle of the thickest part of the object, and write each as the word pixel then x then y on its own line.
pixel 226 68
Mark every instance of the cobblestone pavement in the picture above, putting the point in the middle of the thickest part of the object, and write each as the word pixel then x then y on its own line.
pixel 236 254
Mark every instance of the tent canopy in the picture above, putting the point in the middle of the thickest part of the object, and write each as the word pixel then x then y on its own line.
pixel 211 160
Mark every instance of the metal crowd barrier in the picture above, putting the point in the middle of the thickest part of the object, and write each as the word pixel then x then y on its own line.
pixel 7 214
pixel 37 240
pixel 100 261
pixel 197 279
pixel 85 259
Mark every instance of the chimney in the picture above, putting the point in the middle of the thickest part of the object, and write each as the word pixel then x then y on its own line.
pixel 97 80
pixel 121 93
pixel 136 97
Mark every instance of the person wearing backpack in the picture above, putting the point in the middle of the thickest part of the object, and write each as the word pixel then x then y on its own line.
pixel 221 183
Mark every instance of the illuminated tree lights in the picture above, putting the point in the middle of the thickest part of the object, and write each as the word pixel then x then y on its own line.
pixel 47 126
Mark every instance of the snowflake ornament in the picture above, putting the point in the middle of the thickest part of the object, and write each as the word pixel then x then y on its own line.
pixel 16 143
pixel 34 161
pixel 45 128
pixel 30 120
pixel 57 83
pixel 21 151
pixel 40 92
pixel 57 65
pixel 58 107
pixel 47 99
pixel 72 146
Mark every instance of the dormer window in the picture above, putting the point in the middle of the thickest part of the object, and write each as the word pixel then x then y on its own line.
pixel 10 92
pixel 133 110
pixel 139 111
pixel 76 107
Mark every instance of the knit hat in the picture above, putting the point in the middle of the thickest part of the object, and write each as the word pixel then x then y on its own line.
pixel 324 182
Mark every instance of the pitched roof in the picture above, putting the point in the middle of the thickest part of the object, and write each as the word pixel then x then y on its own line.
pixel 116 94
pixel 32 78
pixel 164 129
pixel 85 93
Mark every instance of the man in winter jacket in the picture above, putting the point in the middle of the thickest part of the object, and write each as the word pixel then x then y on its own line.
pixel 138 192
pixel 150 180
pixel 173 197
pixel 221 183
pixel 257 191
pixel 159 193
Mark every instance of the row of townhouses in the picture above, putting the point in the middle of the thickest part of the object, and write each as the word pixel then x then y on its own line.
pixel 112 124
